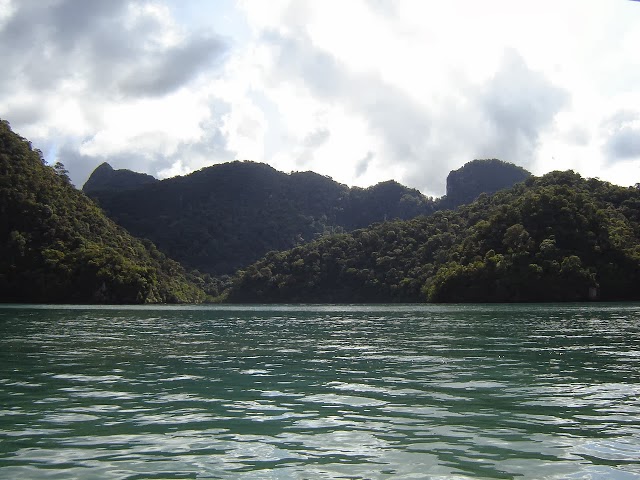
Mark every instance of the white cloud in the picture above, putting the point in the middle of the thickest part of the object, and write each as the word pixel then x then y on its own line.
pixel 144 124
pixel 177 168
pixel 363 91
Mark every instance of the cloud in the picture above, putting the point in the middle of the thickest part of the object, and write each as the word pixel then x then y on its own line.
pixel 622 131
pixel 151 151
pixel 625 143
pixel 502 117
pixel 163 74
pixel 115 47
pixel 311 143
pixel 317 138
pixel 398 120
pixel 518 105
pixel 363 91
pixel 182 159
pixel 363 164
pixel 115 80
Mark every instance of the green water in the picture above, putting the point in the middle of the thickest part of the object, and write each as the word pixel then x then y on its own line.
pixel 537 391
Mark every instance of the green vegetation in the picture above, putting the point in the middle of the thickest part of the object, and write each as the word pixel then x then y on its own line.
pixel 227 216
pixel 555 238
pixel 106 178
pixel 56 245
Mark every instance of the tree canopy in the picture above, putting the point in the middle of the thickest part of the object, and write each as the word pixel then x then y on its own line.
pixel 56 245
pixel 227 216
pixel 556 238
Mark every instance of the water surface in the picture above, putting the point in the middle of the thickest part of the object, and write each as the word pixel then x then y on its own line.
pixel 491 391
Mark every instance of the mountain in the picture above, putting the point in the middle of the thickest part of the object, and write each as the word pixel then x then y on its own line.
pixel 227 216
pixel 57 246
pixel 555 238
pixel 106 178
pixel 385 201
pixel 480 176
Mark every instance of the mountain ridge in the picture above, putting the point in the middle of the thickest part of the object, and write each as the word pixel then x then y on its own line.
pixel 105 177
pixel 558 237
pixel 235 212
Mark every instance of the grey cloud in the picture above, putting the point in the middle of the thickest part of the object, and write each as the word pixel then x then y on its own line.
pixel 624 143
pixel 72 19
pixel 389 110
pixel 311 142
pixel 298 57
pixel 622 132
pixel 177 66
pixel 212 148
pixel 578 136
pixel 63 21
pixel 107 54
pixel 79 166
pixel 405 125
pixel 502 118
pixel 46 42
pixel 25 113
pixel 363 164
pixel 317 138
pixel 40 42
pixel 518 104
pixel 392 114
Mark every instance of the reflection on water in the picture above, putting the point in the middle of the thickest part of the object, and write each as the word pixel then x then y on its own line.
pixel 539 391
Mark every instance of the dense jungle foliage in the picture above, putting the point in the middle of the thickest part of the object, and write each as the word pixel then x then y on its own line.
pixel 106 178
pixel 227 216
pixel 57 246
pixel 555 238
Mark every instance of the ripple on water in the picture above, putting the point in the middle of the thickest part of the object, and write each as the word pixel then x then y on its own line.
pixel 484 391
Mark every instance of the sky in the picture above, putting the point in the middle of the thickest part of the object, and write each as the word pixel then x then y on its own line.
pixel 360 90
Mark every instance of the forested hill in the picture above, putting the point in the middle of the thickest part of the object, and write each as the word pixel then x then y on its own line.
pixel 106 178
pixel 480 176
pixel 227 216
pixel 555 238
pixel 57 246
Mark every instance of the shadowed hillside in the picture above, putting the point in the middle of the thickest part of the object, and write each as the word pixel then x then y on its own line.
pixel 106 178
pixel 480 176
pixel 57 246
pixel 227 216
pixel 555 238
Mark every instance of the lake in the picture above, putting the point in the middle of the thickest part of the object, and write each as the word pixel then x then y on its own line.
pixel 278 392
